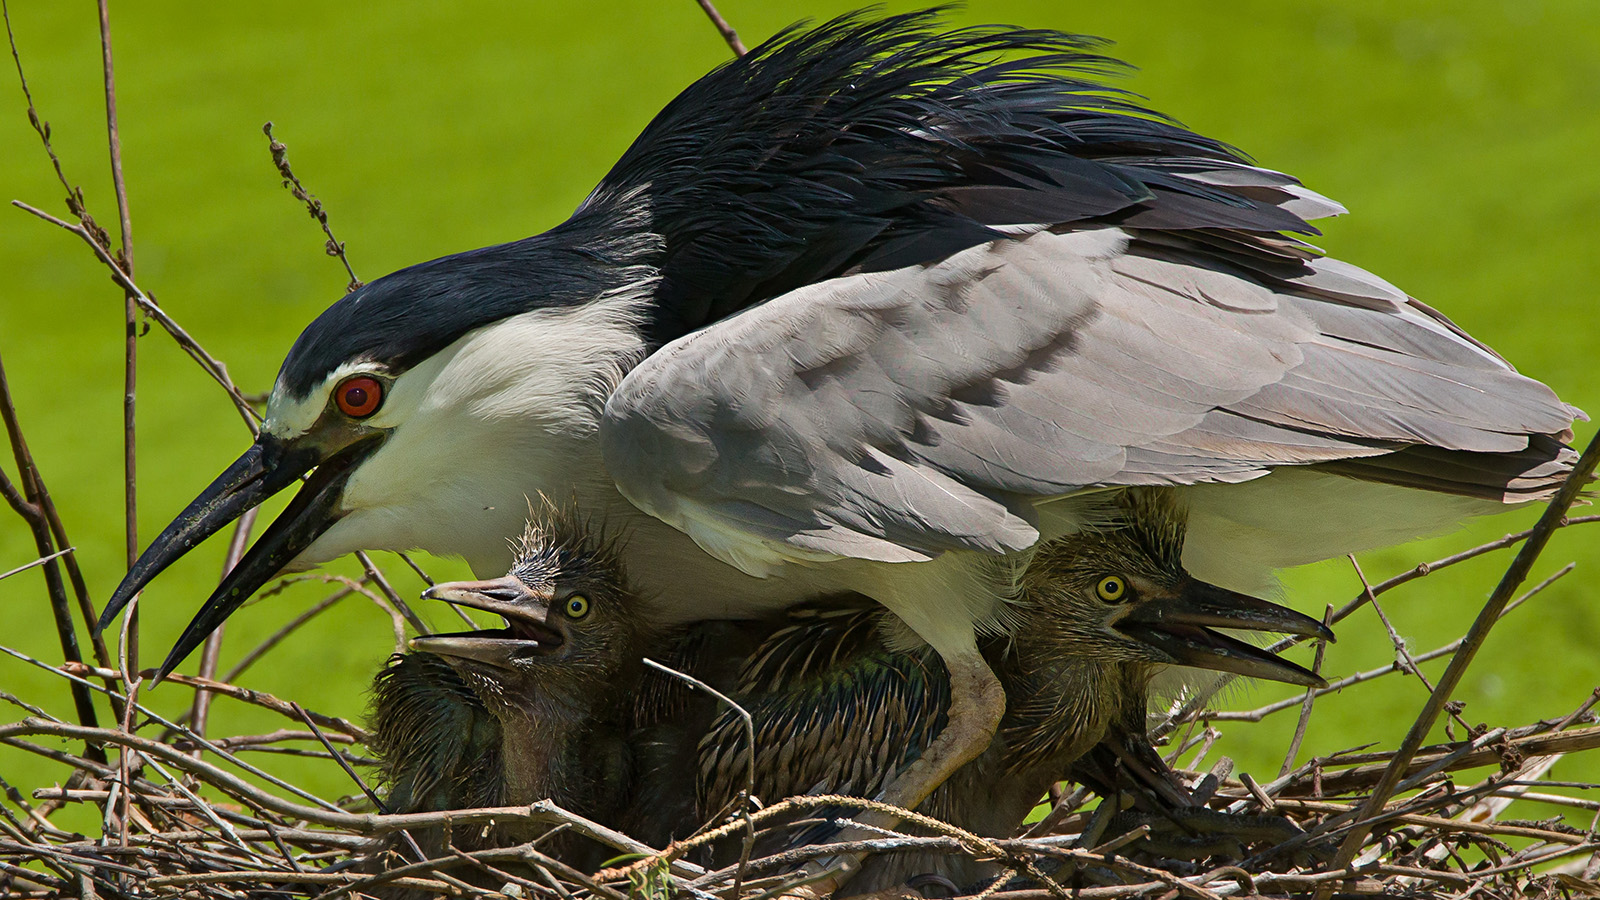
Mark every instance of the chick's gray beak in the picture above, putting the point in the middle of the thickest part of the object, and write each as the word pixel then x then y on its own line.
pixel 1180 627
pixel 507 597
pixel 527 632
pixel 269 466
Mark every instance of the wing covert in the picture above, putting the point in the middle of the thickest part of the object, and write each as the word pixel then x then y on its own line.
pixel 897 415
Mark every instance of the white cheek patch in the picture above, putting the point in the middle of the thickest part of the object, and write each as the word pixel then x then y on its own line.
pixel 408 392
pixel 289 416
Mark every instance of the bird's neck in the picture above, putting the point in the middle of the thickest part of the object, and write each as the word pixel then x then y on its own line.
pixel 543 756
pixel 1062 703
pixel 565 742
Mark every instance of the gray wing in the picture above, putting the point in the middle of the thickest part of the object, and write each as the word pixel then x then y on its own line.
pixel 896 415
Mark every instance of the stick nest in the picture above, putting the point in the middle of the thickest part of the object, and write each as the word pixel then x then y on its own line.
pixel 183 815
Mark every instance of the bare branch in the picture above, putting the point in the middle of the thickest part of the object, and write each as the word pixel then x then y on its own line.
pixel 1502 595
pixel 217 371
pixel 723 28
pixel 334 247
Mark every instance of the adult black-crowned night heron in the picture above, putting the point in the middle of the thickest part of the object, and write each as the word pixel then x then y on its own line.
pixel 539 709
pixel 1098 614
pixel 862 311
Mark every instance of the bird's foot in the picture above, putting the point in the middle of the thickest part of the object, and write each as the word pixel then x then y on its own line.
pixel 977 702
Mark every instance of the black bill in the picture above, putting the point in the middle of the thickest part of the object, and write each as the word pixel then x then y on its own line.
pixel 1181 626
pixel 266 468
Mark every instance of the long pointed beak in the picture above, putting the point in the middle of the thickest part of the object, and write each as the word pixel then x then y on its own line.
pixel 1181 627
pixel 266 468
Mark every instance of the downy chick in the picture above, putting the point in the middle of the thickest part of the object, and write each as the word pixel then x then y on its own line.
pixel 534 710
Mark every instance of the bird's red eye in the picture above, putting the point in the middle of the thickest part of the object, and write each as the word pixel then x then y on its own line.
pixel 359 397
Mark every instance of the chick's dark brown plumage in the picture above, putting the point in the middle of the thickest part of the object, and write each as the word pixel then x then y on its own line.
pixel 838 710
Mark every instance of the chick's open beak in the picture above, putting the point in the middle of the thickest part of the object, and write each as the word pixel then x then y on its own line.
pixel 527 632
pixel 1180 627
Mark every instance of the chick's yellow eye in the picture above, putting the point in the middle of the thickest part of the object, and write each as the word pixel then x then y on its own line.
pixel 1111 589
pixel 577 606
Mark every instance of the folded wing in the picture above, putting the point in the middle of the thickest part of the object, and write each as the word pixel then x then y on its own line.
pixel 896 415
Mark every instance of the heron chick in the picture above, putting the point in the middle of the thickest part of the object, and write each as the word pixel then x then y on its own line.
pixel 531 711
pixel 838 710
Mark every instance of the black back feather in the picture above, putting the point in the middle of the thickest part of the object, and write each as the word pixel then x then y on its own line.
pixel 866 144
pixel 861 144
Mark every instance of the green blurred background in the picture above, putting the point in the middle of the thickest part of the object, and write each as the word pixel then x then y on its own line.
pixel 1462 136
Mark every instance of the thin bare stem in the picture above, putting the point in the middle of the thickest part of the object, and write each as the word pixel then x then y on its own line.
pixel 334 247
pixel 1403 658
pixel 36 563
pixel 244 695
pixel 28 504
pixel 217 371
pixel 746 801
pixel 1490 613
pixel 376 575
pixel 723 28
pixel 1256 715
pixel 1305 705
pixel 277 636
pixel 130 337
pixel 211 650
pixel 1195 706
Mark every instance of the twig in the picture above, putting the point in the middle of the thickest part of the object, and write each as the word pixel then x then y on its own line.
pixel 162 720
pixel 723 28
pixel 750 770
pixel 276 637
pixel 1310 697
pixel 338 757
pixel 246 695
pixel 334 247
pixel 130 337
pixel 376 574
pixel 36 563
pixel 212 367
pixel 1359 777
pixel 1402 652
pixel 426 578
pixel 1502 595
pixel 42 128
pixel 211 650
pixel 1256 715
pixel 29 504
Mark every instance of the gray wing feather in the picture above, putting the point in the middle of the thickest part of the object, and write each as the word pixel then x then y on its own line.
pixel 896 415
